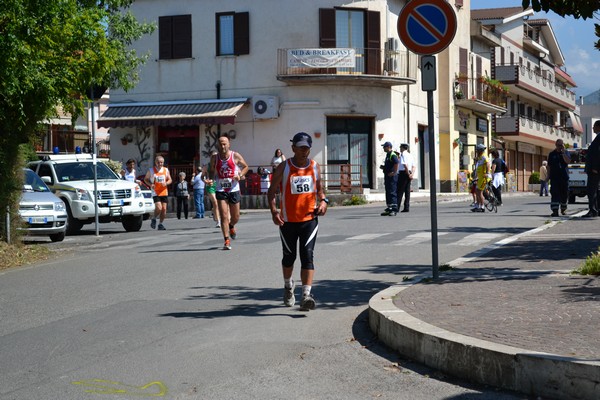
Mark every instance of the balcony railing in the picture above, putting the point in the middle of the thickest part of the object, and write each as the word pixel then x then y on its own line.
pixel 475 94
pixel 522 125
pixel 374 67
pixel 529 80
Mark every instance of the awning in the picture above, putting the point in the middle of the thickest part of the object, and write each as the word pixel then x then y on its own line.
pixel 574 122
pixel 171 113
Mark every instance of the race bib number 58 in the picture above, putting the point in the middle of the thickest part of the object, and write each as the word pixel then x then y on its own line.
pixel 302 184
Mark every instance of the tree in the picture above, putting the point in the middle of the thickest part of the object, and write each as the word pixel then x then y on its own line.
pixel 576 8
pixel 52 52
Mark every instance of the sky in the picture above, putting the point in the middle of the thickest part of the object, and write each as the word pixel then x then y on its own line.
pixel 576 39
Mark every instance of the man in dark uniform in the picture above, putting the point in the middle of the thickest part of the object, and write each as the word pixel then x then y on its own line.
pixel 558 171
pixel 592 169
pixel 390 179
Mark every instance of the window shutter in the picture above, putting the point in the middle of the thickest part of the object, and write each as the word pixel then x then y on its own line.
pixel 182 36
pixel 373 24
pixel 241 33
pixel 463 61
pixel 327 27
pixel 164 38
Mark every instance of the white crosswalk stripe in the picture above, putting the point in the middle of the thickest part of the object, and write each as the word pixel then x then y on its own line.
pixel 416 238
pixel 363 238
pixel 476 239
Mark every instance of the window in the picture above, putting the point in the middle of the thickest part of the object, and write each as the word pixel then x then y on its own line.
pixel 233 33
pixel 353 28
pixel 175 37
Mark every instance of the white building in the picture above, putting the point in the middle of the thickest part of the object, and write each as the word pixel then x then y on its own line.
pixel 262 71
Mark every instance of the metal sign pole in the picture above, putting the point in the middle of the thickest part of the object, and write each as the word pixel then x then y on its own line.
pixel 432 187
pixel 95 161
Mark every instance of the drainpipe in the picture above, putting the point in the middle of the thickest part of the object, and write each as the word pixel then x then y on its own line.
pixel 218 86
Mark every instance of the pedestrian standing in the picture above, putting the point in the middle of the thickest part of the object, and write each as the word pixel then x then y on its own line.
pixel 182 195
pixel 497 176
pixel 406 173
pixel 302 202
pixel 198 186
pixel 228 168
pixel 159 179
pixel 592 169
pixel 390 179
pixel 558 171
pixel 544 179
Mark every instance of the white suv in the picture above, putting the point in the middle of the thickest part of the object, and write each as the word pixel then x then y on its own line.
pixel 71 178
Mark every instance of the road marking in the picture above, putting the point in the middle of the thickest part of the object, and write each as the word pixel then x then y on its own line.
pixel 476 239
pixel 102 386
pixel 364 237
pixel 416 238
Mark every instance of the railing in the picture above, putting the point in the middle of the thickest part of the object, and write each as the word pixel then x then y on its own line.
pixel 382 62
pixel 343 178
pixel 521 124
pixel 469 88
pixel 512 74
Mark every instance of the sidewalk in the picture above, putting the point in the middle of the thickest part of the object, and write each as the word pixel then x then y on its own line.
pixel 510 316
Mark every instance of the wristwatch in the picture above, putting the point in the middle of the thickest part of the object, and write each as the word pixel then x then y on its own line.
pixel 326 200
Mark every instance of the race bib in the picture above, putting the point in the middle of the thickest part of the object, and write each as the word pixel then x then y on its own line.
pixel 302 184
pixel 159 178
pixel 226 183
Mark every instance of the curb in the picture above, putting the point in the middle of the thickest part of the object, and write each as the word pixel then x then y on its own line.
pixel 476 360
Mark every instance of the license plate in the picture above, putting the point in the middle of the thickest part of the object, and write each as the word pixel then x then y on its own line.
pixel 114 212
pixel 577 183
pixel 118 202
pixel 38 220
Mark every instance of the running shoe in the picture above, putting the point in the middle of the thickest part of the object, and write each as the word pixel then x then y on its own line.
pixel 232 232
pixel 308 303
pixel 161 227
pixel 288 296
pixel 218 224
pixel 563 212
pixel 227 245
pixel 153 223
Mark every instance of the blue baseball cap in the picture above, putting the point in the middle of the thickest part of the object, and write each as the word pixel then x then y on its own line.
pixel 302 139
pixel 387 144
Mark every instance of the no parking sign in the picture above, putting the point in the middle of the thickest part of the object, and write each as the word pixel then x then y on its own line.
pixel 427 26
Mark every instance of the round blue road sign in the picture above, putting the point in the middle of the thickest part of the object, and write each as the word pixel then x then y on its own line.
pixel 427 26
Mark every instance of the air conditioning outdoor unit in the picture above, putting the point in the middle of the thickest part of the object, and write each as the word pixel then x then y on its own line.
pixel 265 107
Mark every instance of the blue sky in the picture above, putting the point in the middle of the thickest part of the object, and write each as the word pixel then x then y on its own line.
pixel 576 40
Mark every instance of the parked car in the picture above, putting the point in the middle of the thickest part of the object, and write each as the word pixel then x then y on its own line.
pixel 148 201
pixel 71 177
pixel 43 213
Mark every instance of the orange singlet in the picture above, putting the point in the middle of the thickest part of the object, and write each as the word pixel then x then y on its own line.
pixel 299 192
pixel 160 179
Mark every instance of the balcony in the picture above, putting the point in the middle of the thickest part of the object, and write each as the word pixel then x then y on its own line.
pixel 477 95
pixel 353 66
pixel 531 131
pixel 525 82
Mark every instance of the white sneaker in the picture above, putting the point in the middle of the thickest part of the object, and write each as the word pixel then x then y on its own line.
pixel 288 296
pixel 218 224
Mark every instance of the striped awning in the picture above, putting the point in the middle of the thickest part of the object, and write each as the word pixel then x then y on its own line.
pixel 172 113
pixel 574 122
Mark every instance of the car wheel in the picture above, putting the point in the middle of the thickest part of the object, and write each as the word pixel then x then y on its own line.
pixel 57 237
pixel 73 225
pixel 133 223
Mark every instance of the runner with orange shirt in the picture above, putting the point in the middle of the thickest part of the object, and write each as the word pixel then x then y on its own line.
pixel 159 179
pixel 302 201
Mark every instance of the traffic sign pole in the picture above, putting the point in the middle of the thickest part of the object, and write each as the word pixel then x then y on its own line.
pixel 427 27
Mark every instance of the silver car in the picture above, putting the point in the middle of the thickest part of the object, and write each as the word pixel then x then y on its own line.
pixel 41 211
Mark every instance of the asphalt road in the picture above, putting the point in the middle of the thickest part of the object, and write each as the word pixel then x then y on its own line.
pixel 169 314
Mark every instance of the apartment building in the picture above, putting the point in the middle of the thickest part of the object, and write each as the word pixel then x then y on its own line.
pixel 540 103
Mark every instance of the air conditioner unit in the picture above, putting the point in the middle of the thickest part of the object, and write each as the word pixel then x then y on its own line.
pixel 265 107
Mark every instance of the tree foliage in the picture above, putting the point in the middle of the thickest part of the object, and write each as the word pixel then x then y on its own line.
pixel 576 8
pixel 53 52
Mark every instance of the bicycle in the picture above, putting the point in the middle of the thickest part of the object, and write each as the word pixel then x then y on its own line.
pixel 491 202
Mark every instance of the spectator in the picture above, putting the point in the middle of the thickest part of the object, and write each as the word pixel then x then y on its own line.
pixel 277 159
pixel 544 179
pixel 592 169
pixel 390 179
pixel 558 171
pixel 497 175
pixel 182 195
pixel 198 186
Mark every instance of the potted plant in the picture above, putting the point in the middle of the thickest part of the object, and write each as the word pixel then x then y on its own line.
pixel 534 182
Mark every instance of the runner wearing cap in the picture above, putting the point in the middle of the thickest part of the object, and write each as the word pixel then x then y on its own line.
pixel 302 201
